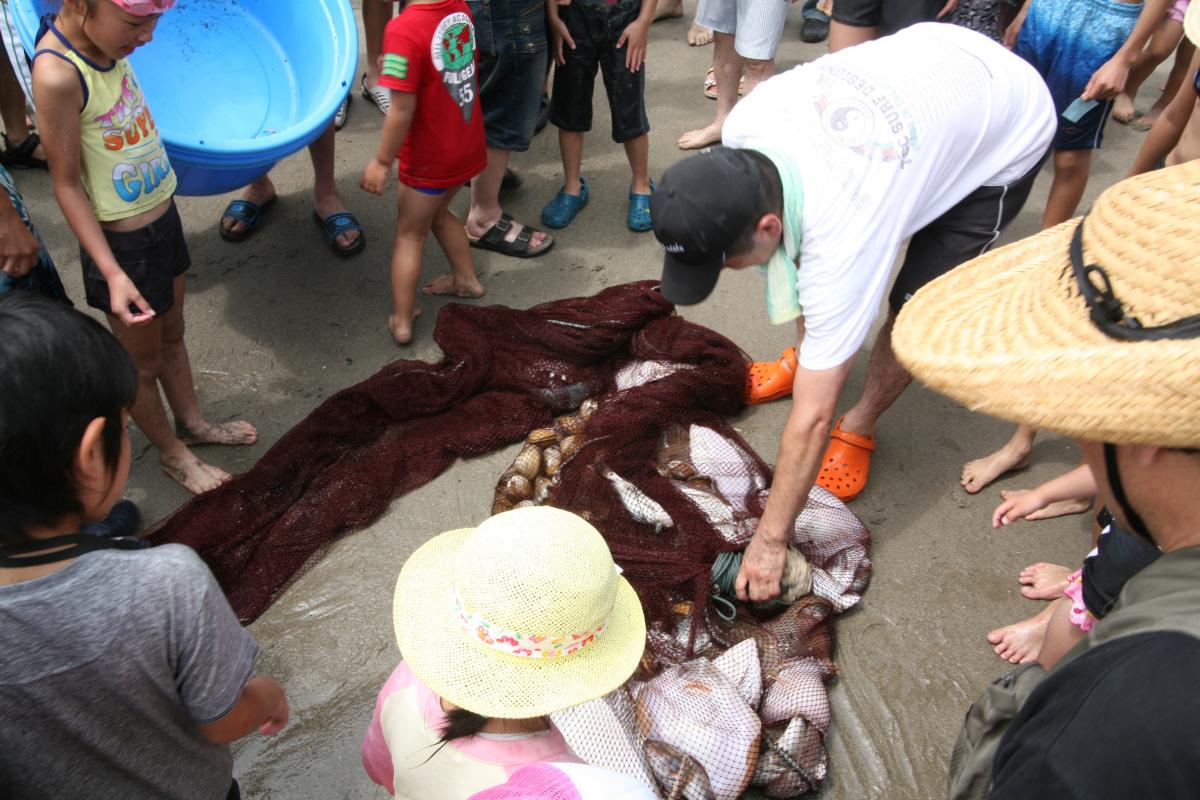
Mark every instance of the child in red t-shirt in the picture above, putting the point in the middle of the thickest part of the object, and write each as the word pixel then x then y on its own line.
pixel 435 126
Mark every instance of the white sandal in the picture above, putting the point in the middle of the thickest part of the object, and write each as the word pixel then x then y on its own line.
pixel 380 96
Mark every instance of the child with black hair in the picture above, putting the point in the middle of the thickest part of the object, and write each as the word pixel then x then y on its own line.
pixel 125 672
pixel 115 185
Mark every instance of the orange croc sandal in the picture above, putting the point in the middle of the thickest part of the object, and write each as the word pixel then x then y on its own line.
pixel 846 464
pixel 771 380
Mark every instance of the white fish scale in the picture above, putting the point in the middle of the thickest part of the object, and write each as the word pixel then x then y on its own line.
pixel 639 373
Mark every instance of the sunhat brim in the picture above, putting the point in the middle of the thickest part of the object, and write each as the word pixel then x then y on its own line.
pixel 1008 334
pixel 478 678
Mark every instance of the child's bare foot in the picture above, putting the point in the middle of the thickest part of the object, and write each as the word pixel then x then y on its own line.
pixel 701 137
pixel 196 476
pixel 448 284
pixel 1021 642
pixel 1061 508
pixel 982 471
pixel 205 432
pixel 1123 110
pixel 668 9
pixel 1042 581
pixel 402 330
pixel 698 35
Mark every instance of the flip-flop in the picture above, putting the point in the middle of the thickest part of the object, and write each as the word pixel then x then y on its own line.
pixel 247 212
pixel 563 207
pixel 335 225
pixel 639 219
pixel 21 156
pixel 493 239
pixel 846 464
pixel 771 380
pixel 379 95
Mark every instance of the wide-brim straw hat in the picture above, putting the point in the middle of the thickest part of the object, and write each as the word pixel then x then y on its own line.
pixel 1191 23
pixel 1010 333
pixel 522 616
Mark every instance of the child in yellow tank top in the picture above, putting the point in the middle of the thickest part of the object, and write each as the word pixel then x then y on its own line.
pixel 115 185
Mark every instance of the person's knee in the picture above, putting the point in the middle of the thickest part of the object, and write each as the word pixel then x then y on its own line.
pixel 1070 164
pixel 758 70
pixel 149 365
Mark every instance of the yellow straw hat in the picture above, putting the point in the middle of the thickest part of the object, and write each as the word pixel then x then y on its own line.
pixel 522 616
pixel 1191 23
pixel 1012 334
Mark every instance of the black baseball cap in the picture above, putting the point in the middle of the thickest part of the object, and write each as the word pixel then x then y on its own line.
pixel 700 208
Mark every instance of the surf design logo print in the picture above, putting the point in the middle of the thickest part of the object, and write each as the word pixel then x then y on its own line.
pixel 128 128
pixel 454 58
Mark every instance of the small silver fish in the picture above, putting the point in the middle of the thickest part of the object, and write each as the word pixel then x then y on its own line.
pixel 639 373
pixel 637 502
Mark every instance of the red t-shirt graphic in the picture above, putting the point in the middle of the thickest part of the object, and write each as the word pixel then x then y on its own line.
pixel 429 51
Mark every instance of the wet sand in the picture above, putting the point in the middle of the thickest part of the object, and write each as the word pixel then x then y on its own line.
pixel 278 323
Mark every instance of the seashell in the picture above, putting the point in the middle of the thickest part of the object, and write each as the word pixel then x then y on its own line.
pixel 517 487
pixel 528 462
pixel 552 459
pixel 525 504
pixel 501 504
pixel 568 425
pixel 570 444
pixel 542 436
pixel 680 470
pixel 588 407
pixel 541 488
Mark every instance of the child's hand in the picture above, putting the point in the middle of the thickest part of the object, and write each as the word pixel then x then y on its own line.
pixel 375 176
pixel 277 717
pixel 1017 506
pixel 1108 81
pixel 633 38
pixel 559 35
pixel 124 294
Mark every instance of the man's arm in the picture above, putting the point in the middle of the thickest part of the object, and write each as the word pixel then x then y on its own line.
pixel 814 402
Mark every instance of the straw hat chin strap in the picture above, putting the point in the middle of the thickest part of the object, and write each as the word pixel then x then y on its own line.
pixel 1114 480
pixel 1108 313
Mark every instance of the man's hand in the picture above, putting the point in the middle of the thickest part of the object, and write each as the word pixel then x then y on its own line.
pixel 633 39
pixel 374 177
pixel 124 294
pixel 277 716
pixel 18 249
pixel 1108 81
pixel 762 567
pixel 559 35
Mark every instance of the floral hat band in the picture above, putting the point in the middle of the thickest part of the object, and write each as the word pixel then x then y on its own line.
pixel 522 644
pixel 144 8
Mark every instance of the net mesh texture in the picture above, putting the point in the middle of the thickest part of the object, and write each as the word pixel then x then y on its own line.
pixel 727 696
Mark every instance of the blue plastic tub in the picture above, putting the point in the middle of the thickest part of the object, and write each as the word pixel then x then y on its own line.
pixel 236 85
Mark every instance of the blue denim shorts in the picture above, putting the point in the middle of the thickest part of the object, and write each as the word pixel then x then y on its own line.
pixel 511 52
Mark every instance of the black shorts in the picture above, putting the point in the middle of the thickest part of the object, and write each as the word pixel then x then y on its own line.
pixel 152 257
pixel 964 232
pixel 596 27
pixel 887 15
pixel 1119 556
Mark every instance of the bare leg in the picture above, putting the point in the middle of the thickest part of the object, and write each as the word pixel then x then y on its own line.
pixel 1061 635
pixel 1042 581
pixel 1021 642
pixel 1162 44
pixel 449 231
pixel 12 109
pixel 1071 168
pixel 327 201
pixel 756 72
pixel 415 213
pixel 842 35
pixel 570 144
pixel 177 385
pixel 668 9
pixel 1178 74
pixel 485 200
pixel 886 380
pixel 1012 456
pixel 376 16
pixel 638 152
pixel 144 345
pixel 727 69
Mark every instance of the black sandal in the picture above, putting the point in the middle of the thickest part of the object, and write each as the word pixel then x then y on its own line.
pixel 519 247
pixel 21 156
